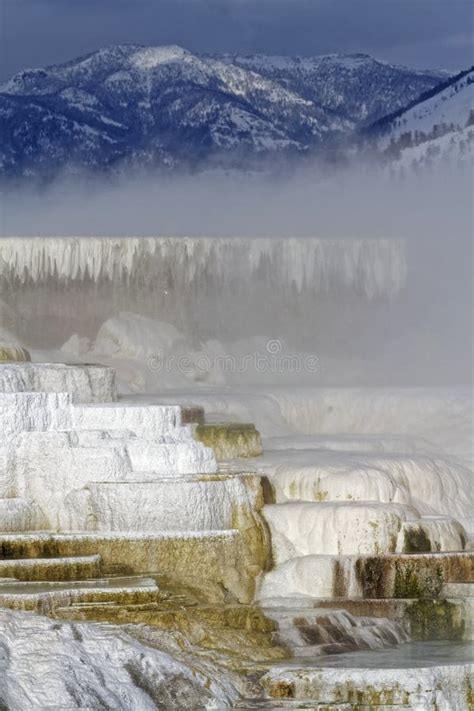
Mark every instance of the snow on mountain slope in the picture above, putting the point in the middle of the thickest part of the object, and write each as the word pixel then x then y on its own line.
pixel 438 127
pixel 357 86
pixel 450 108
pixel 148 105
pixel 454 150
pixel 126 106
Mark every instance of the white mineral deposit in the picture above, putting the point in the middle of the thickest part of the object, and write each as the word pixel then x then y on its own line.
pixel 236 339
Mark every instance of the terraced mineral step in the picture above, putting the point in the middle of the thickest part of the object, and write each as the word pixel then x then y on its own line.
pixel 11 354
pixel 424 619
pixel 334 527
pixel 230 440
pixel 152 420
pixel 67 568
pixel 357 527
pixel 462 594
pixel 192 504
pixel 43 597
pixel 430 534
pixel 300 705
pixel 134 549
pixel 177 612
pixel 174 458
pixel 379 576
pixel 85 382
pixel 227 560
pixel 435 483
pixel 458 590
pixel 24 411
pixel 111 582
pixel 95 437
pixel 313 632
pixel 37 458
pixel 49 465
pixel 446 686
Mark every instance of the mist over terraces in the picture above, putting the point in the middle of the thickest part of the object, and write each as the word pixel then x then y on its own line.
pixel 236 411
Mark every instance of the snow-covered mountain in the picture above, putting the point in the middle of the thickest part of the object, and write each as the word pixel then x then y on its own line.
pixel 439 127
pixel 356 86
pixel 127 106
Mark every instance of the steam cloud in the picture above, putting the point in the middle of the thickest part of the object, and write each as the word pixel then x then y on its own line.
pixel 430 325
pixel 356 202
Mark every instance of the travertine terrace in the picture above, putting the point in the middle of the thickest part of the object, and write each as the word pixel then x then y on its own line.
pixel 110 510
pixel 145 521
pixel 94 471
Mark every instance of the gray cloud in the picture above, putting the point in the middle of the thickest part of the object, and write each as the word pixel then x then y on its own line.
pixel 423 33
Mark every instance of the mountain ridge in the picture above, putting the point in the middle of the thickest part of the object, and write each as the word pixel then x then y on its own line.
pixel 126 106
pixel 389 118
pixel 438 127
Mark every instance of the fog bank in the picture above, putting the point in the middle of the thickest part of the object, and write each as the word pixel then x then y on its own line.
pixel 357 202
pixel 418 333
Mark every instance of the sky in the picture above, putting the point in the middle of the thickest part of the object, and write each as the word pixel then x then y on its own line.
pixel 418 33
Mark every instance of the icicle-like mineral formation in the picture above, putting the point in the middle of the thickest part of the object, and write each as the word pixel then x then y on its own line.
pixel 208 287
pixel 369 266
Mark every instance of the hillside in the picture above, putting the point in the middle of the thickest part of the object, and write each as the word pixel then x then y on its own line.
pixel 127 106
pixel 438 127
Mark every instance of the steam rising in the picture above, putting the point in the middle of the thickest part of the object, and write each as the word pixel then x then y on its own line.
pixel 355 202
pixel 423 336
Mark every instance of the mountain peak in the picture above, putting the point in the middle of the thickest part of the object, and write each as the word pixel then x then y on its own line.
pixel 127 105
pixel 150 57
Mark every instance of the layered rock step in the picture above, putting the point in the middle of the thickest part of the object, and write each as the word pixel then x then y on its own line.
pixel 228 560
pixel 173 452
pixel 279 634
pixel 12 354
pixel 378 680
pixel 377 576
pixel 88 383
pixel 45 411
pixel 131 474
pixel 217 502
pixel 432 484
pixel 423 619
pixel 356 531
pixel 25 412
pixel 151 421
pixel 44 597
pixel 312 632
pixel 60 452
pixel 462 594
pixel 48 467
pixel 361 527
pixel 67 568
pixel 230 440
pixel 43 583
pixel 128 493
pixel 172 459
